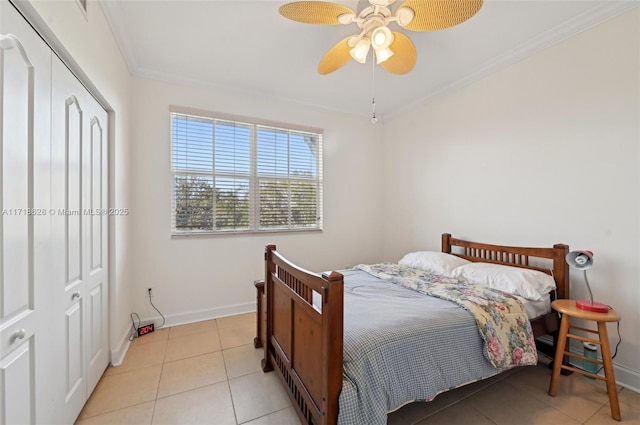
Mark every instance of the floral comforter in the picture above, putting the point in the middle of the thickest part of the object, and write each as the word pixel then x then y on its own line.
pixel 501 319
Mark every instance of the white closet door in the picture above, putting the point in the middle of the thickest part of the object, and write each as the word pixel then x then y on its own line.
pixel 25 63
pixel 79 230
pixel 95 254
pixel 53 232
pixel 67 186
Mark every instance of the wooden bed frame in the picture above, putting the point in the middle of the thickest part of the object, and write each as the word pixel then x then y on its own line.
pixel 303 343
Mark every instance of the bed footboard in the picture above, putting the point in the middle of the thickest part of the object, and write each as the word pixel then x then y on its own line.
pixel 304 336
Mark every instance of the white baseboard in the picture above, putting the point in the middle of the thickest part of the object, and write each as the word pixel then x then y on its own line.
pixel 200 315
pixel 627 378
pixel 624 377
pixel 117 355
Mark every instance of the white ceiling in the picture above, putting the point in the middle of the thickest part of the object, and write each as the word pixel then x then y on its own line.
pixel 247 46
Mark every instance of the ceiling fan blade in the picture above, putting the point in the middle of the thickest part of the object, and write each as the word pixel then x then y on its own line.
pixel 432 15
pixel 404 55
pixel 314 12
pixel 335 58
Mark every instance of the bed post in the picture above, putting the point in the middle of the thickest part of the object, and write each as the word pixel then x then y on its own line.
pixel 269 269
pixel 561 270
pixel 332 355
pixel 304 336
pixel 446 243
pixel 561 275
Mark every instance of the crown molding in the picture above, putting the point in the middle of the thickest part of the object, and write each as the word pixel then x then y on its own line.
pixel 570 28
pixel 115 19
pixel 554 36
pixel 170 78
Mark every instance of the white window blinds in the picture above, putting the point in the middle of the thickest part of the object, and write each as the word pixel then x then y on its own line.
pixel 240 176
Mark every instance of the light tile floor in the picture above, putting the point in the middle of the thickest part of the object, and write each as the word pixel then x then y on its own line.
pixel 209 373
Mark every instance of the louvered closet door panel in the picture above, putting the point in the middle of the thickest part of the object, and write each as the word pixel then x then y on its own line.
pixel 24 196
pixel 68 112
pixel 95 156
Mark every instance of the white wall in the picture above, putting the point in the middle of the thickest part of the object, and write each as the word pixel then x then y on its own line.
pixel 211 276
pixel 91 45
pixel 545 151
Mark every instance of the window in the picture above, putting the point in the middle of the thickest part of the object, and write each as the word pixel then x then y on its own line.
pixel 235 175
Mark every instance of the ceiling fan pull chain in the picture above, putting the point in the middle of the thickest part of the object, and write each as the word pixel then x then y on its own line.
pixel 374 120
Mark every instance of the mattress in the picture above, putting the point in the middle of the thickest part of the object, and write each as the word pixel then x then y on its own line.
pixel 536 308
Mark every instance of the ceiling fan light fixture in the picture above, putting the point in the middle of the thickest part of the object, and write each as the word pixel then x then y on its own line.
pixel 381 3
pixel 381 38
pixel 394 51
pixel 361 50
pixel 346 18
pixel 383 54
pixel 353 40
pixel 404 16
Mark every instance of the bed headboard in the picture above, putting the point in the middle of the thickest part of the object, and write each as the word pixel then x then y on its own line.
pixel 514 256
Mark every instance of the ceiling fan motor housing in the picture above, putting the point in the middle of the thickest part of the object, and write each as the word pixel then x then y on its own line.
pixel 373 17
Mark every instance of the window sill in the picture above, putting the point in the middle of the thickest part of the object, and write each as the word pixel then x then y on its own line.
pixel 186 235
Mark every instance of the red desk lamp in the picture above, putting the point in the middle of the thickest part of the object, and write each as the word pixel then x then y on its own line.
pixel 583 260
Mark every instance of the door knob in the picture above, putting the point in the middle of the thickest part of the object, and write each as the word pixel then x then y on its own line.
pixel 18 335
pixel 75 295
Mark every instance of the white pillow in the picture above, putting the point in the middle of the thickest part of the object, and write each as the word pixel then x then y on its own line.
pixel 530 284
pixel 435 262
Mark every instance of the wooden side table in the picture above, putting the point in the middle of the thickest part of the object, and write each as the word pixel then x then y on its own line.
pixel 568 309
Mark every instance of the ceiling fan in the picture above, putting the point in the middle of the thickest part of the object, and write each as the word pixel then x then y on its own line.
pixel 394 51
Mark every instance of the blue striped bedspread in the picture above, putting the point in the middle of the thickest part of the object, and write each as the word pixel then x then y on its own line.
pixel 389 359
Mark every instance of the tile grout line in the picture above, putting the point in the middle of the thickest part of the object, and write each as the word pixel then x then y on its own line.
pixel 267 414
pixel 176 360
pixel 162 364
pixel 484 416
pixel 119 408
pixel 155 400
pixel 464 397
pixel 550 406
pixel 221 351
pixel 114 410
pixel 226 372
